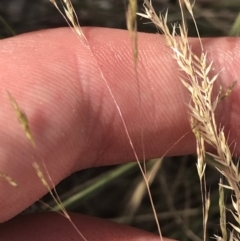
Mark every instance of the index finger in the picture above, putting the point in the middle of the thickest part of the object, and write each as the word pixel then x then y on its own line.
pixel 73 118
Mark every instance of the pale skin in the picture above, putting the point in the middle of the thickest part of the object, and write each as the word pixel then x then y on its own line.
pixel 76 125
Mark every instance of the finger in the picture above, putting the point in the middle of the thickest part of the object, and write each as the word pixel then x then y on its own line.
pixel 52 226
pixel 73 118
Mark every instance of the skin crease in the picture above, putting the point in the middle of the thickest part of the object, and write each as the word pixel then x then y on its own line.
pixel 75 123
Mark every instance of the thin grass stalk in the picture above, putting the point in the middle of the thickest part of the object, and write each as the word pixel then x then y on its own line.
pixel 222 209
pixel 55 196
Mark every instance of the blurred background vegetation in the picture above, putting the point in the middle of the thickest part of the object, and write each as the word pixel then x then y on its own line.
pixel 215 17
pixel 117 193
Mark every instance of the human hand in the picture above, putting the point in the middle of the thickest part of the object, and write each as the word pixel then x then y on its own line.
pixel 75 122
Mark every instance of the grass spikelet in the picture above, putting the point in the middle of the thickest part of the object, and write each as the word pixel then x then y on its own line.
pixel 70 16
pixel 41 176
pixel 22 118
pixel 8 179
pixel 189 7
